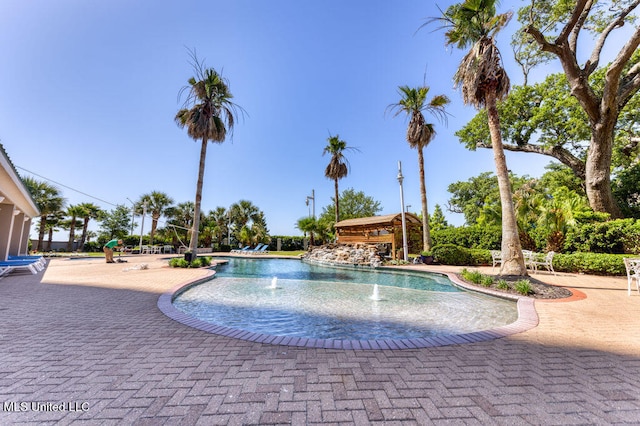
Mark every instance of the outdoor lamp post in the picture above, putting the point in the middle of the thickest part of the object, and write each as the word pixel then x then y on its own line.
pixel 133 215
pixel 405 247
pixel 312 197
pixel 144 213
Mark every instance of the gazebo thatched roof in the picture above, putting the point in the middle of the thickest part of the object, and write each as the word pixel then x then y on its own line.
pixel 378 222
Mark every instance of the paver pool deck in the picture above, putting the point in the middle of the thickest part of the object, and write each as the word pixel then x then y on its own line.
pixel 84 342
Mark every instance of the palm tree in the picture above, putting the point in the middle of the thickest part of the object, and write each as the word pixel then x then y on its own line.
pixel 338 166
pixel 48 200
pixel 208 114
pixel 419 133
pixel 157 202
pixel 220 217
pixel 308 225
pixel 52 222
pixel 242 213
pixel 484 81
pixel 90 211
pixel 74 211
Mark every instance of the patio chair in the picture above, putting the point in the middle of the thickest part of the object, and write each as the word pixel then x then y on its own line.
pixel 632 265
pixel 263 249
pixel 535 261
pixel 496 258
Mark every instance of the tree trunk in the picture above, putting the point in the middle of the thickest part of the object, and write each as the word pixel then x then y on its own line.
pixel 72 232
pixel 337 194
pixel 426 231
pixel 154 226
pixel 513 262
pixel 598 168
pixel 85 227
pixel 193 244
pixel 41 232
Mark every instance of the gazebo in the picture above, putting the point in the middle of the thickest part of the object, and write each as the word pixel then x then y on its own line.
pixel 17 209
pixel 377 230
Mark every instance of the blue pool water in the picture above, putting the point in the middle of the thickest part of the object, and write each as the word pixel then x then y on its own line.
pixel 324 302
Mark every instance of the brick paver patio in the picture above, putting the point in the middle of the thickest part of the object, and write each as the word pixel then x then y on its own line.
pixel 85 342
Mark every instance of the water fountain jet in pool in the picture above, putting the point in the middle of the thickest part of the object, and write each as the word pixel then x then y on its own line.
pixel 274 283
pixel 376 294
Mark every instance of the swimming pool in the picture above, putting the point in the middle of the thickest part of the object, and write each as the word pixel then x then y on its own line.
pixel 329 303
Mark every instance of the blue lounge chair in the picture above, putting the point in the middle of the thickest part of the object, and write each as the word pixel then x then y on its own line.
pixel 243 249
pixel 39 260
pixel 256 249
pixel 263 249
pixel 21 264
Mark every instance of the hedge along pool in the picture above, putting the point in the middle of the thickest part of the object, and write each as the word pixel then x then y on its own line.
pixel 287 297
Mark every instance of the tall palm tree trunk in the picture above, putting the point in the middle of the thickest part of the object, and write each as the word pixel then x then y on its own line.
pixel 426 231
pixel 72 233
pixel 513 263
pixel 335 185
pixel 41 232
pixel 85 227
pixel 193 244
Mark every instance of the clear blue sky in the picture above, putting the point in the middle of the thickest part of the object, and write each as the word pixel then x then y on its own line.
pixel 89 91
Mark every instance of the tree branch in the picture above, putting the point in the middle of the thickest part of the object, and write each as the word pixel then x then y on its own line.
pixel 575 32
pixel 573 21
pixel 559 153
pixel 593 61
pixel 612 81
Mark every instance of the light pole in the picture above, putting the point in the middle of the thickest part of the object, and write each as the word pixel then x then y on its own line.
pixel 144 213
pixel 312 197
pixel 405 247
pixel 229 227
pixel 133 215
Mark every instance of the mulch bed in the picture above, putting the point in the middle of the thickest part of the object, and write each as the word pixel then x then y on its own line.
pixel 540 290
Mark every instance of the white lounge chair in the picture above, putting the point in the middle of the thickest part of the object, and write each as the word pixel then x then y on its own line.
pixel 632 265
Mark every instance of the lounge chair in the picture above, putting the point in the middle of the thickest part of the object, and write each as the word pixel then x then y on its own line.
pixel 633 272
pixel 256 249
pixel 263 249
pixel 39 260
pixel 28 265
pixel 241 250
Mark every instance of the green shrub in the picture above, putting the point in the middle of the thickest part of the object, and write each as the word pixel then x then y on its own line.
pixel 523 287
pixel 613 237
pixel 450 254
pixel 481 237
pixel 590 263
pixel 199 262
pixel 480 256
pixel 486 281
pixel 471 276
pixel 502 284
pixel 477 278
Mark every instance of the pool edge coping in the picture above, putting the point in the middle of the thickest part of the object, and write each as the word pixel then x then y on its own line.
pixel 527 319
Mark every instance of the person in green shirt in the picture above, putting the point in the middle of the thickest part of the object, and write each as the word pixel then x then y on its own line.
pixel 108 249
